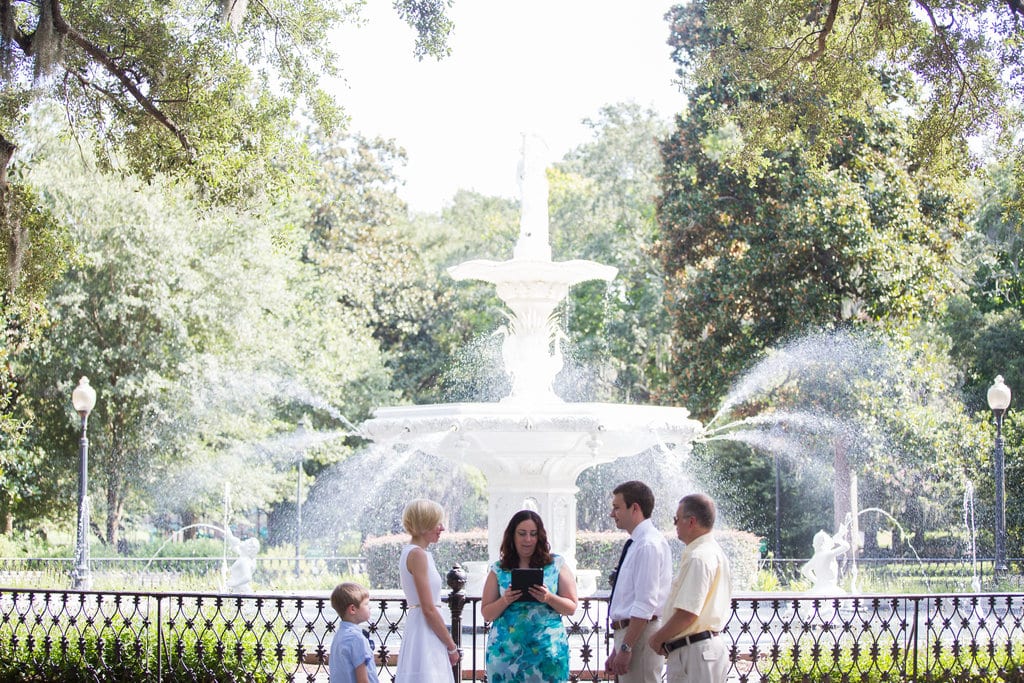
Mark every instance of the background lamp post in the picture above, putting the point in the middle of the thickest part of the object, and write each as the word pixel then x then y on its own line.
pixel 83 398
pixel 301 438
pixel 999 401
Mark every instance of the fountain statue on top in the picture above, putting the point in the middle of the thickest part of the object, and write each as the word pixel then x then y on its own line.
pixel 531 446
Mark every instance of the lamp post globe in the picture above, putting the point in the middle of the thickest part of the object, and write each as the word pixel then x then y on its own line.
pixel 83 398
pixel 998 401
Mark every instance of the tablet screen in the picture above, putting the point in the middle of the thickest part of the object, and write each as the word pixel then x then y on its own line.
pixel 524 578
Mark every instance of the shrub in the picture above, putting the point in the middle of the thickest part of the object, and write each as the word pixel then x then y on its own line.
pixel 208 648
pixel 382 553
pixel 600 550
pixel 594 550
pixel 766 582
pixel 744 551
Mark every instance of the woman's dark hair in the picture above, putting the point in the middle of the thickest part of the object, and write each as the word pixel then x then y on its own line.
pixel 542 551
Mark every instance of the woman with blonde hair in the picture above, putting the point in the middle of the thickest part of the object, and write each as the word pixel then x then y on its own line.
pixel 428 651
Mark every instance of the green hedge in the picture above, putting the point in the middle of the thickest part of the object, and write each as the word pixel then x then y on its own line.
pixel 885 660
pixel 382 553
pixel 208 649
pixel 594 550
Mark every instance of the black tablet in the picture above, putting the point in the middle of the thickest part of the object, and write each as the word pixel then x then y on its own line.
pixel 524 578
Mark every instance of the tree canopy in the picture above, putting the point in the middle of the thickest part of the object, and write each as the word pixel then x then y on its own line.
pixel 205 91
pixel 967 59
pixel 603 209
pixel 206 335
pixel 861 236
pixel 854 235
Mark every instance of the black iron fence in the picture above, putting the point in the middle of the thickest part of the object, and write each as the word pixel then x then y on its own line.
pixel 149 636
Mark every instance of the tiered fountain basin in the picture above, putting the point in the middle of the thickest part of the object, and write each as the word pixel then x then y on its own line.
pixel 532 453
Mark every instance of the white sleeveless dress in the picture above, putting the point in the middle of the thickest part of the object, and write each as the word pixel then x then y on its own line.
pixel 422 658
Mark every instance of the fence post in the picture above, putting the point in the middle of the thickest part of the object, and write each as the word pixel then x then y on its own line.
pixel 917 615
pixel 159 639
pixel 456 601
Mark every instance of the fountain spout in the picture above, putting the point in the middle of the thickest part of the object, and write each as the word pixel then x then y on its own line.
pixel 533 243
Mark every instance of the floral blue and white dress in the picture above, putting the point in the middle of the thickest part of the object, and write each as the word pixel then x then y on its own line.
pixel 528 642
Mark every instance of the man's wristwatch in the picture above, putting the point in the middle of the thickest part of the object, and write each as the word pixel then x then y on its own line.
pixel 625 648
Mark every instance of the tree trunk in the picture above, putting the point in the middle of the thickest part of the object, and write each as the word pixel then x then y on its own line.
pixel 14 233
pixel 115 508
pixel 6 152
pixel 6 516
pixel 188 519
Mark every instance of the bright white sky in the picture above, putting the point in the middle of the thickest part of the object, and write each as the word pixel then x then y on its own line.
pixel 537 66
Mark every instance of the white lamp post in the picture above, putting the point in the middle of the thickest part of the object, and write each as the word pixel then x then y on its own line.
pixel 301 437
pixel 83 398
pixel 999 401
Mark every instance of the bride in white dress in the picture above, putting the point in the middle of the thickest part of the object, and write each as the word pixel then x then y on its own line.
pixel 428 651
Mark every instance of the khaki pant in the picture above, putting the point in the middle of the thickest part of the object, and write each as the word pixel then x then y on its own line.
pixel 646 666
pixel 706 661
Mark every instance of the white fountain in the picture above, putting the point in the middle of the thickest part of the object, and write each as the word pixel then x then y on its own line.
pixel 532 445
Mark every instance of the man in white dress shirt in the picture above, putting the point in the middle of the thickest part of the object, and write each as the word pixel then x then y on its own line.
pixel 640 588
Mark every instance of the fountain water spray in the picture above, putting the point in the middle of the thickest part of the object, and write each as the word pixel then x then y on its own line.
pixel 972 535
pixel 532 445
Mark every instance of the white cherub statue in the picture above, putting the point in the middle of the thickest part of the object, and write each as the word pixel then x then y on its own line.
pixel 240 575
pixel 823 568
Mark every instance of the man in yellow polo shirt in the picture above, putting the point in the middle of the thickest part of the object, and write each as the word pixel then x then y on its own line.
pixel 698 602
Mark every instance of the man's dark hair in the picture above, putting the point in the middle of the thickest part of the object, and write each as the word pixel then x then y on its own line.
pixel 639 493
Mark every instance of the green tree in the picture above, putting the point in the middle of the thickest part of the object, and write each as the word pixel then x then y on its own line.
pixel 356 238
pixel 202 331
pixel 203 91
pixel 985 320
pixel 985 324
pixel 454 356
pixel 861 237
pixel 30 270
pixel 603 209
pixel 885 407
pixel 198 91
pixel 865 237
pixel 122 319
pixel 966 56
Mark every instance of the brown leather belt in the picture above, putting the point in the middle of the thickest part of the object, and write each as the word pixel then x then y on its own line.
pixel 623 623
pixel 687 640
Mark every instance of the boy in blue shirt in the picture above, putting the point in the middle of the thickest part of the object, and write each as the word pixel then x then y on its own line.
pixel 351 659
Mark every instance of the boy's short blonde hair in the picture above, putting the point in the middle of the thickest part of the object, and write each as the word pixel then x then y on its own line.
pixel 347 595
pixel 421 516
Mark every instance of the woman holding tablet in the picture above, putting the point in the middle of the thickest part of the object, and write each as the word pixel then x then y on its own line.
pixel 527 640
